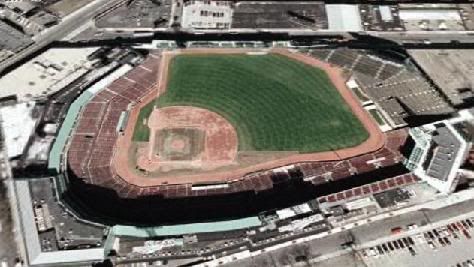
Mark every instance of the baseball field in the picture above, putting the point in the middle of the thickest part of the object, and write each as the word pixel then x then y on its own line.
pixel 275 103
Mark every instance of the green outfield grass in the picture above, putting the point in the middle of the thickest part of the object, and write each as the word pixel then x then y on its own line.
pixel 275 103
pixel 141 131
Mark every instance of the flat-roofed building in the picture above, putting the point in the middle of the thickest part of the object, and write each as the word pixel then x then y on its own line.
pixel 344 17
pixel 440 150
pixel 207 15
pixel 428 17
pixel 279 15
pixel 46 74
pixel 12 39
pixel 51 236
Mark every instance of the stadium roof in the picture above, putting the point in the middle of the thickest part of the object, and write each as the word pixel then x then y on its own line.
pixel 183 229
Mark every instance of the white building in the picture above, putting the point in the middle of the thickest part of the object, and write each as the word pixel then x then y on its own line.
pixel 46 74
pixel 439 151
pixel 207 15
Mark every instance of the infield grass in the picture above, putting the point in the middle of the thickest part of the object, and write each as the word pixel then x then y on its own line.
pixel 275 103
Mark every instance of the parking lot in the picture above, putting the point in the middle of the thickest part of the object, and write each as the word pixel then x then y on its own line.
pixel 448 245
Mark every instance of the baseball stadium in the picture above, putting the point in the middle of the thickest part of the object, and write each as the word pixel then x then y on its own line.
pixel 196 125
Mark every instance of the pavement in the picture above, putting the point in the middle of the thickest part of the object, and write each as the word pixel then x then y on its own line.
pixel 439 37
pixel 12 249
pixel 8 251
pixel 324 249
pixel 300 252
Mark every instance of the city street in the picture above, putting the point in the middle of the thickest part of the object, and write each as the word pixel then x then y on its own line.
pixel 68 24
pixel 8 250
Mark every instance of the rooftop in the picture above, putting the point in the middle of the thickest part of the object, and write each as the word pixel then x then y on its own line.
pixel 416 19
pixel 380 17
pixel 344 18
pixel 19 125
pixel 46 73
pixel 285 15
pixel 65 231
pixel 199 15
pixel 183 229
pixel 446 146
pixel 138 14
pixel 42 251
pixel 12 39
pixel 441 148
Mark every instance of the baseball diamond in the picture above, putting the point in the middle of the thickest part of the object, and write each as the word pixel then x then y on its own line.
pixel 217 116
pixel 275 103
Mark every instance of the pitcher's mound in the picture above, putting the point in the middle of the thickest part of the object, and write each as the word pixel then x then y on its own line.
pixel 184 137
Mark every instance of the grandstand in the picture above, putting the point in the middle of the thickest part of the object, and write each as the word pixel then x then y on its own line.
pixel 397 90
pixel 92 147
pixel 322 172
pixel 314 172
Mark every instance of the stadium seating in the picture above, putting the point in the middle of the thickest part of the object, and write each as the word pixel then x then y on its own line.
pixel 321 172
pixel 395 87
pixel 373 188
pixel 92 144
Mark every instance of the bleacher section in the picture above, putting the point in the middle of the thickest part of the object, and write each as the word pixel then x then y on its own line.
pixel 369 189
pixel 322 172
pixel 344 58
pixel 92 144
pixel 399 91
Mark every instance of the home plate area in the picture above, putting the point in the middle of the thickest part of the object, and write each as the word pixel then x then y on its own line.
pixel 187 138
pixel 178 144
